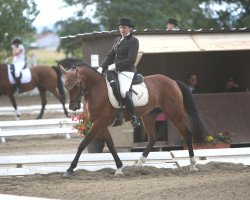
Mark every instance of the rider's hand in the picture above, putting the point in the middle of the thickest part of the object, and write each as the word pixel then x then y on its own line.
pixel 112 67
pixel 100 69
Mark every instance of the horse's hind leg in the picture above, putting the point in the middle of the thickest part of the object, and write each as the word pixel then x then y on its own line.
pixel 187 135
pixel 149 125
pixel 110 144
pixel 42 92
pixel 13 102
pixel 61 99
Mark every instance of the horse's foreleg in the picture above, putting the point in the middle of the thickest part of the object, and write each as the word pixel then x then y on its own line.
pixel 43 101
pixel 93 132
pixel 110 144
pixel 13 102
pixel 149 125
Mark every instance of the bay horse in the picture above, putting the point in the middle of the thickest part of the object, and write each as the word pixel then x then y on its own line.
pixel 43 77
pixel 172 97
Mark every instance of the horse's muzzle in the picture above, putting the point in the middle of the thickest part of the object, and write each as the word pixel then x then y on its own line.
pixel 75 105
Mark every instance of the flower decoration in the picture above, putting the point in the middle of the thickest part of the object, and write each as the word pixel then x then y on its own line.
pixel 83 123
pixel 221 137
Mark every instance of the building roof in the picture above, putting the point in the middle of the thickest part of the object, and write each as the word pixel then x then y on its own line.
pixel 159 41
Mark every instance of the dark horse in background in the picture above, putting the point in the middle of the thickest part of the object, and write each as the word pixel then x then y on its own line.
pixel 171 97
pixel 68 62
pixel 43 77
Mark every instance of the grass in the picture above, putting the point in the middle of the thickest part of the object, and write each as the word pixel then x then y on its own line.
pixel 46 57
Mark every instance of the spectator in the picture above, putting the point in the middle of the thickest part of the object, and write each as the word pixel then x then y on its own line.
pixel 231 85
pixel 171 24
pixel 32 60
pixel 161 126
pixel 192 82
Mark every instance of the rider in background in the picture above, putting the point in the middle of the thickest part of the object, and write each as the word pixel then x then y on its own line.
pixel 121 58
pixel 18 52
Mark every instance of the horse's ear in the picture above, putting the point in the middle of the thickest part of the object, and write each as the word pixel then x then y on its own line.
pixel 77 71
pixel 63 70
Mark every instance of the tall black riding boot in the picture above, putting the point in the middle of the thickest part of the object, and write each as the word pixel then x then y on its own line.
pixel 130 106
pixel 18 85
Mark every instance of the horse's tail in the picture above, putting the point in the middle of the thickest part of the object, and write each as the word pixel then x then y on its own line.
pixel 59 82
pixel 197 125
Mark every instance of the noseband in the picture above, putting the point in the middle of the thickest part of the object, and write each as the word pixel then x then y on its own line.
pixel 70 85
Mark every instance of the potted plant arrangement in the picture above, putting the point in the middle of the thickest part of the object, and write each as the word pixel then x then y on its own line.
pixel 215 141
pixel 82 125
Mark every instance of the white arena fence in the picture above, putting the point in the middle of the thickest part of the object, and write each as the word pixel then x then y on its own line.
pixel 44 164
pixel 34 109
pixel 15 197
pixel 36 127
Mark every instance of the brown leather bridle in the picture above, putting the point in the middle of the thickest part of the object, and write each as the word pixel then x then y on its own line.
pixel 83 92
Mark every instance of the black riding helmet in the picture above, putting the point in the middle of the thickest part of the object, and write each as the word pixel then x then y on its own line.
pixel 16 40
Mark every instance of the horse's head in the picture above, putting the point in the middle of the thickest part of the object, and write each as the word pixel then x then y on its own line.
pixel 74 85
pixel 78 82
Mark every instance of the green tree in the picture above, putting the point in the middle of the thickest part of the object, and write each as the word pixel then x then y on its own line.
pixel 73 26
pixel 149 14
pixel 16 17
pixel 229 13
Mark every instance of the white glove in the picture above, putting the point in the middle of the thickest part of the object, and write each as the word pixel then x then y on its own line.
pixel 99 70
pixel 112 67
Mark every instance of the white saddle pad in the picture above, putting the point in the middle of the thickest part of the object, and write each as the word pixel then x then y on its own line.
pixel 139 99
pixel 26 75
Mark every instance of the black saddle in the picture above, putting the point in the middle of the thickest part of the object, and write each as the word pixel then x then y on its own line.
pixel 138 79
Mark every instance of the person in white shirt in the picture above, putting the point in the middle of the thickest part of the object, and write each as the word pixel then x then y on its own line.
pixel 18 52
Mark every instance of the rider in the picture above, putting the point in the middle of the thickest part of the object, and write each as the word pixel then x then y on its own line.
pixel 121 58
pixel 18 52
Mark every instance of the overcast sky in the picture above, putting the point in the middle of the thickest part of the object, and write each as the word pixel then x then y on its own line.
pixel 52 11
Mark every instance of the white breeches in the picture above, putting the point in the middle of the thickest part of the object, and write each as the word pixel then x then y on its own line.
pixel 125 80
pixel 18 68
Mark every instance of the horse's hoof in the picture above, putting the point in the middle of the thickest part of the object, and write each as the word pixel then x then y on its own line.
pixel 138 166
pixel 119 174
pixel 193 169
pixel 68 173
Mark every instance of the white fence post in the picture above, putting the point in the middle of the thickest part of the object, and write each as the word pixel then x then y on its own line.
pixel 62 125
pixel 2 138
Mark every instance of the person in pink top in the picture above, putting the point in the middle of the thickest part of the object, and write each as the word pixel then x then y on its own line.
pixel 161 126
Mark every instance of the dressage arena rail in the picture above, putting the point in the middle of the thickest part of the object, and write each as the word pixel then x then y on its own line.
pixel 43 164
pixel 33 109
pixel 36 127
pixel 15 197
